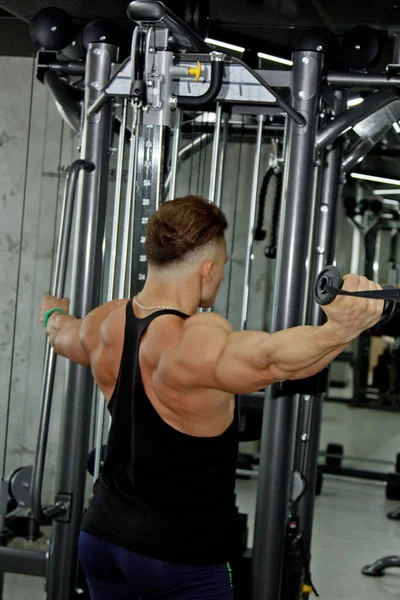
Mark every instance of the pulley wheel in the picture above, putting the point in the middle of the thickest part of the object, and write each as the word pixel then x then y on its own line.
pixel 20 483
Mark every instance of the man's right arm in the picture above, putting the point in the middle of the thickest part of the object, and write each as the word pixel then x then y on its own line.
pixel 211 355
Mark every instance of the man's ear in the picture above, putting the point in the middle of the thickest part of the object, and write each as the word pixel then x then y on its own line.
pixel 206 269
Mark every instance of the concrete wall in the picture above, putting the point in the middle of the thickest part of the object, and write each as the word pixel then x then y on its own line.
pixel 33 143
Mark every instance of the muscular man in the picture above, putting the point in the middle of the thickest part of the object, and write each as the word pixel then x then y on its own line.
pixel 161 518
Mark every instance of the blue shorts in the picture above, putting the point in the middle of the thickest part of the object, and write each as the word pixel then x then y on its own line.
pixel 114 572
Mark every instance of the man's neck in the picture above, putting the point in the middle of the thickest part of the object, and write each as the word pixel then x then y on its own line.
pixel 168 291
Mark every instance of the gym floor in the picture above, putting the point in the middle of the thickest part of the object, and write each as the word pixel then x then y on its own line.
pixel 350 527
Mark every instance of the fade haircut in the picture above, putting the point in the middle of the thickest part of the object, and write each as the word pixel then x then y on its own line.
pixel 181 227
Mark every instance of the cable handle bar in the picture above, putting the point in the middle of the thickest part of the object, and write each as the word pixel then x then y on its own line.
pixel 57 289
pixel 328 285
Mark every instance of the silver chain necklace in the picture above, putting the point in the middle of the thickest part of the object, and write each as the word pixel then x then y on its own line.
pixel 154 307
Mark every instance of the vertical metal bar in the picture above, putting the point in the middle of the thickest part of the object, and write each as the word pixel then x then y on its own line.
pixel 175 154
pixel 309 278
pixel 128 203
pixel 100 401
pixel 394 272
pixel 279 413
pixel 378 244
pixel 148 194
pixel 4 533
pixel 252 220
pixel 221 163
pixel 311 407
pixel 117 201
pixel 49 365
pixel 101 408
pixel 85 295
pixel 215 153
pixel 356 246
pixel 393 259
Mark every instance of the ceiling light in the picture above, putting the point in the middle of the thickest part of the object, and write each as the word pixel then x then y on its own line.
pixel 224 45
pixel 206 117
pixel 396 127
pixel 355 101
pixel 386 192
pixel 278 59
pixel 387 216
pixel 391 202
pixel 375 178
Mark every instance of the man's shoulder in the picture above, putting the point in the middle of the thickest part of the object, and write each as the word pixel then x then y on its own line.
pixel 208 319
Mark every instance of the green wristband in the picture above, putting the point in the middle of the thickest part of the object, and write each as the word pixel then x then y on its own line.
pixel 50 312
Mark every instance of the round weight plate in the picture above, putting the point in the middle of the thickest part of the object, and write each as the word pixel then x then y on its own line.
pixel 20 482
pixel 329 276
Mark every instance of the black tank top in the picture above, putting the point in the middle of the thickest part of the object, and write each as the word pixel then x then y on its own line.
pixel 162 493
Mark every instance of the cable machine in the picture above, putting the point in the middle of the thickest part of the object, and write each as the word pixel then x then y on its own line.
pixel 170 72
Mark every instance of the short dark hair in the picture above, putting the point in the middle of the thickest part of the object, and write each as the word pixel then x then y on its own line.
pixel 181 226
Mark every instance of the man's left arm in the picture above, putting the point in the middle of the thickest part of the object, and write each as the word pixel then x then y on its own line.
pixel 73 338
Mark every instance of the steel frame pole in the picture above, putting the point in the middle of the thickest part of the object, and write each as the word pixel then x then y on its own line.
pixel 222 161
pixel 215 155
pixel 85 295
pixel 280 407
pixel 311 406
pixel 175 154
pixel 101 404
pixel 252 221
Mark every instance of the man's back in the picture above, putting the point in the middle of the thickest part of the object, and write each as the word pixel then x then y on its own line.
pixel 202 411
pixel 172 492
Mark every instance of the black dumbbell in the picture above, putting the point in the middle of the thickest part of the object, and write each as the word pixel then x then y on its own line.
pixel 328 285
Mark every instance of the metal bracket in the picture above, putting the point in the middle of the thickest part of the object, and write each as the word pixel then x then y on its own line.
pixel 61 509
